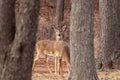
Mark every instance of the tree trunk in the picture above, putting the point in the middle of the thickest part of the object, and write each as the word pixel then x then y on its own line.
pixel 7 28
pixel 18 61
pixel 109 52
pixel 81 41
pixel 60 11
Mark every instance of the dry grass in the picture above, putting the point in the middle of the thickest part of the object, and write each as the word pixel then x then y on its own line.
pixel 41 73
pixel 101 75
pixel 114 75
pixel 38 76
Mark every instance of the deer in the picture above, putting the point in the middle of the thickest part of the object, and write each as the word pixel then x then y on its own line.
pixel 58 49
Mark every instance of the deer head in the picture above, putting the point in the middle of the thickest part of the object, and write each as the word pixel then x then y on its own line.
pixel 59 31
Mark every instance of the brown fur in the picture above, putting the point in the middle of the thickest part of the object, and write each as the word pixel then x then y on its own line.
pixel 56 49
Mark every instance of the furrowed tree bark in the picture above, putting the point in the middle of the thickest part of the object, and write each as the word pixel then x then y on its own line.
pixel 109 53
pixel 7 29
pixel 18 62
pixel 81 41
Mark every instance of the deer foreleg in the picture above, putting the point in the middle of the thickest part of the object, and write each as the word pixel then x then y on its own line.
pixel 68 67
pixel 55 65
pixel 58 65
pixel 35 60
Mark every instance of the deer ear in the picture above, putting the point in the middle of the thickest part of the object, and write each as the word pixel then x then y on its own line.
pixel 64 28
pixel 53 26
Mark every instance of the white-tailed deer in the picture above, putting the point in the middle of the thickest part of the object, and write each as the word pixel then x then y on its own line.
pixel 57 49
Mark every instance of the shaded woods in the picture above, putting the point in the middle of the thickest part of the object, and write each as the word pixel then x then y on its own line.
pixel 90 28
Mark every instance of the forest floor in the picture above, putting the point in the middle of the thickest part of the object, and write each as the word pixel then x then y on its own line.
pixel 40 72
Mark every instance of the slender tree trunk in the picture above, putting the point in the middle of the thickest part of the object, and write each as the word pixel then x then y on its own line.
pixel 109 53
pixel 81 41
pixel 7 28
pixel 60 11
pixel 18 61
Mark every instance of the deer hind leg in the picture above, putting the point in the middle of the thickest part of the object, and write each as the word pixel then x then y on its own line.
pixel 60 67
pixel 68 67
pixel 47 65
pixel 35 60
pixel 68 64
pixel 55 65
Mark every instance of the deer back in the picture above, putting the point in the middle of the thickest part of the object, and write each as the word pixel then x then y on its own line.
pixel 45 47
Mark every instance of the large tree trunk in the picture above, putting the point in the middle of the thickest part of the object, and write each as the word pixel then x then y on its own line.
pixel 109 53
pixel 81 41
pixel 19 59
pixel 7 28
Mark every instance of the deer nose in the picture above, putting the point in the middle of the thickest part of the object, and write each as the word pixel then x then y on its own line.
pixel 59 35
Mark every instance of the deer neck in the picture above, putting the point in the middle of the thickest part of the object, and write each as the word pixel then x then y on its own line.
pixel 58 38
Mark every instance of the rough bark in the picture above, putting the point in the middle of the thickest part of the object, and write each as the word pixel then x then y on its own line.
pixel 18 61
pixel 60 11
pixel 109 52
pixel 81 41
pixel 7 28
